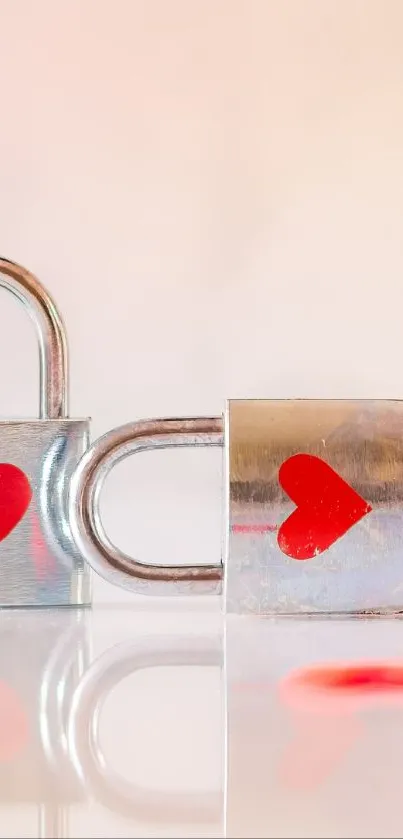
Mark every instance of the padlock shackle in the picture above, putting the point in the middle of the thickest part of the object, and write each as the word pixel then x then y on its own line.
pixel 53 353
pixel 84 499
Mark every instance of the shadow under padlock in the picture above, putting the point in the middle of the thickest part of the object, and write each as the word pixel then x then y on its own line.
pixel 107 787
pixel 44 654
pixel 39 561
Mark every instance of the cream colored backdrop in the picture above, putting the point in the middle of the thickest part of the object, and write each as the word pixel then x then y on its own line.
pixel 213 192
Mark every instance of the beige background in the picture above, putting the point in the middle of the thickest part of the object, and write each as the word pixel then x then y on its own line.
pixel 213 192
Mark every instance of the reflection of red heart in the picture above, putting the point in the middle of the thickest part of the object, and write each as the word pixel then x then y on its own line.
pixel 14 729
pixel 327 506
pixel 15 497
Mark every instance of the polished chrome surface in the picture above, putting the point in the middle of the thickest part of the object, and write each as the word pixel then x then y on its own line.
pixel 51 336
pixel 85 521
pixel 39 562
pixel 100 780
pixel 362 571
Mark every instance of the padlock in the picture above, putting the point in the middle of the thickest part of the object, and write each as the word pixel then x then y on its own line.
pixel 39 562
pixel 314 506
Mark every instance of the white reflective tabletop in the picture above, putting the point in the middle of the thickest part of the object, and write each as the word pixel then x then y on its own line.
pixel 315 734
pixel 143 720
pixel 111 723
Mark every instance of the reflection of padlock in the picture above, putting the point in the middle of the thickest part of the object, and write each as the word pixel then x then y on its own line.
pixel 108 787
pixel 44 654
pixel 314 505
pixel 326 703
pixel 39 563
pixel 304 759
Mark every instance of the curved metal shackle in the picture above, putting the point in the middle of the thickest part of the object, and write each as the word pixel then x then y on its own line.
pixel 85 521
pixel 53 354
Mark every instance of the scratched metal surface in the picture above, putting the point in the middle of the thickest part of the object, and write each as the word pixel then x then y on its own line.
pixel 39 563
pixel 360 572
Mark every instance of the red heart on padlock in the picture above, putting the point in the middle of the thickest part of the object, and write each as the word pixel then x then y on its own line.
pixel 15 497
pixel 326 506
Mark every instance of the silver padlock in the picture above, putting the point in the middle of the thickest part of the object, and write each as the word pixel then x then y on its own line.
pixel 314 506
pixel 39 562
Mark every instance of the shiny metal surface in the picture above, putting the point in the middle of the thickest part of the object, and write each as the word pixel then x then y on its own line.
pixel 314 506
pixel 53 355
pixel 39 562
pixel 86 486
pixel 360 572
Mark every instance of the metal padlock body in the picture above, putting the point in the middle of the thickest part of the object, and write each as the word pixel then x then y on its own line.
pixel 39 561
pixel 313 506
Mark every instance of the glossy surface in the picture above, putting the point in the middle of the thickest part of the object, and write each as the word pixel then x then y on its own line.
pixel 53 352
pixel 315 735
pixel 111 724
pixel 39 563
pixel 84 514
pixel 304 537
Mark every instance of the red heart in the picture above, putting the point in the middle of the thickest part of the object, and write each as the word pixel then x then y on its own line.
pixel 327 506
pixel 15 497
